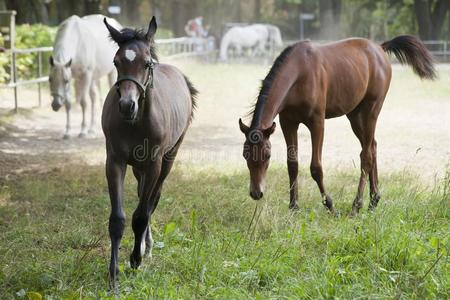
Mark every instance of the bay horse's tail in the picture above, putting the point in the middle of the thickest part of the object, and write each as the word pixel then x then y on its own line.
pixel 411 51
pixel 194 92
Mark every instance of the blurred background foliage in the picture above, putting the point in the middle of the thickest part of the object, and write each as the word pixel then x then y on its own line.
pixel 376 19
pixel 333 19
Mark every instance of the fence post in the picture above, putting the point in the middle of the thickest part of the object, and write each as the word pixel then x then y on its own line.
pixel 14 78
pixel 39 76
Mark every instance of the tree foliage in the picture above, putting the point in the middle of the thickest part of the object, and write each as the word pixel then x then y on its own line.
pixel 377 19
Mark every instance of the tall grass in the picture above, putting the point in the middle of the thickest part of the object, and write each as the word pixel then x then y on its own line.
pixel 212 241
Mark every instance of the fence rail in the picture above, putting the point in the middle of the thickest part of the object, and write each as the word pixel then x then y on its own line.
pixel 170 48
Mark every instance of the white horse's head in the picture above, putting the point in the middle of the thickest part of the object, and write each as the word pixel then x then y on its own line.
pixel 59 79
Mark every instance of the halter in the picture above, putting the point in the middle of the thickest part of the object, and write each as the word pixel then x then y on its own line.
pixel 142 87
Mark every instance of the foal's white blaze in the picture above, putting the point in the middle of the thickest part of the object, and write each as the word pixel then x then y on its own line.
pixel 130 54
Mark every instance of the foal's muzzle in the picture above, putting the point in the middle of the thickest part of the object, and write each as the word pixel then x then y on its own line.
pixel 127 108
pixel 256 195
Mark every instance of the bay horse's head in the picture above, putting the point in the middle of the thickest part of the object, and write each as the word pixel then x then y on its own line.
pixel 59 80
pixel 134 62
pixel 257 150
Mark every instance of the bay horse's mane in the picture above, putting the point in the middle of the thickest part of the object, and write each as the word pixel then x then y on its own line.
pixel 258 107
pixel 128 34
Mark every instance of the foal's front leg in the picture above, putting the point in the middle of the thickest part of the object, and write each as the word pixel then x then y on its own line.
pixel 115 173
pixel 141 215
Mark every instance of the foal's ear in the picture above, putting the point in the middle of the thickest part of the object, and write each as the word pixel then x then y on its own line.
pixel 50 60
pixel 151 29
pixel 244 128
pixel 114 33
pixel 267 132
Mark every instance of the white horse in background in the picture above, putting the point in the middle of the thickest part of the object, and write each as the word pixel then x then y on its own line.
pixel 256 37
pixel 84 52
pixel 275 39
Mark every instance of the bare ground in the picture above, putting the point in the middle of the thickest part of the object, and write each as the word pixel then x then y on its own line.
pixel 413 130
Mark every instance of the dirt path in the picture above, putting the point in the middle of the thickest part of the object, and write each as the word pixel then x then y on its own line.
pixel 413 132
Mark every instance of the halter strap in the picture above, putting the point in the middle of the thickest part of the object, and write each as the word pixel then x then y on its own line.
pixel 142 87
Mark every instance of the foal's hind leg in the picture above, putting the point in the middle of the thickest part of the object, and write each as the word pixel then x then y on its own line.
pixel 316 127
pixel 363 121
pixel 373 178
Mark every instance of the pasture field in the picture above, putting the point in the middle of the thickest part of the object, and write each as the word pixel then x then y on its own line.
pixel 212 240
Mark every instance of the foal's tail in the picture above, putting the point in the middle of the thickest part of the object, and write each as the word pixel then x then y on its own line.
pixel 411 51
pixel 194 92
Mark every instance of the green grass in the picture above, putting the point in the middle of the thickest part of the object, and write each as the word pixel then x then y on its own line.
pixel 54 240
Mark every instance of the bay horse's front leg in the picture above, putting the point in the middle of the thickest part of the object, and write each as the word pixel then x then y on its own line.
pixel 290 135
pixel 141 215
pixel 115 173
pixel 316 127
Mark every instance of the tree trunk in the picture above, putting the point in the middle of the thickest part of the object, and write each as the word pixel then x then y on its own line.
pixel 430 21
pixel 257 11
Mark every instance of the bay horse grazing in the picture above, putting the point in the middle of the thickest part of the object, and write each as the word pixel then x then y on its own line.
pixel 81 51
pixel 309 83
pixel 145 117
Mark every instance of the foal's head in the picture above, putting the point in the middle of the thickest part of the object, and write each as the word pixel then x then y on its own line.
pixel 257 149
pixel 134 62
pixel 59 79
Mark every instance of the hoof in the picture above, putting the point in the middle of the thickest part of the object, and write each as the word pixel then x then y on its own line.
pixel 66 136
pixel 294 207
pixel 374 202
pixel 113 279
pixel 82 135
pixel 328 203
pixel 135 261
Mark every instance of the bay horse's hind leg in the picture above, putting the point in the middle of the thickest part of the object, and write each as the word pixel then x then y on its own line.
pixel 316 127
pixel 363 121
pixel 290 135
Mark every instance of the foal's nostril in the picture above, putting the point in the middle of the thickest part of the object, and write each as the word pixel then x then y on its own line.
pixel 132 106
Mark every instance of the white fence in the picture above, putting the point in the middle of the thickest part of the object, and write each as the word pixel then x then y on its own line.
pixel 169 48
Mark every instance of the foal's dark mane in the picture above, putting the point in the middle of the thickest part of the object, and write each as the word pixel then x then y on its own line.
pixel 127 35
pixel 258 108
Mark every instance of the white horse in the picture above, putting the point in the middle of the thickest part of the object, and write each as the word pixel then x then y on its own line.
pixel 256 36
pixel 84 52
pixel 275 39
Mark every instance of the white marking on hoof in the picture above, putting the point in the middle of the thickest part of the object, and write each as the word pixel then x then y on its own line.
pixel 130 54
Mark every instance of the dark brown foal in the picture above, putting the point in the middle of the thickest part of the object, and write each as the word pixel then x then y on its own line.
pixel 145 117
pixel 309 83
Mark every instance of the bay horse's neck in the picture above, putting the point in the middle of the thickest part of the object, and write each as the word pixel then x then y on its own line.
pixel 273 91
